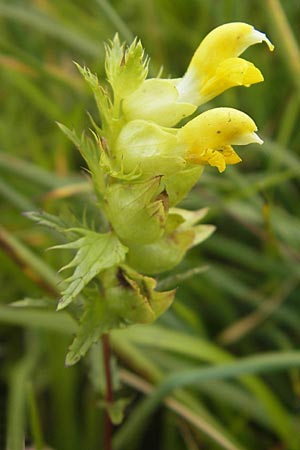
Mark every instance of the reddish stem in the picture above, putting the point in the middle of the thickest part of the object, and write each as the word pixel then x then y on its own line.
pixel 109 390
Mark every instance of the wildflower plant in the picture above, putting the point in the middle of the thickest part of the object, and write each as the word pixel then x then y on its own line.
pixel 142 163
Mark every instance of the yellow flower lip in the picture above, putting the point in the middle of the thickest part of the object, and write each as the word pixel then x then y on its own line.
pixel 208 138
pixel 216 66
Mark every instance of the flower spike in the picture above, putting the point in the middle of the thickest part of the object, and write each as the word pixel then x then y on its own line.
pixel 142 166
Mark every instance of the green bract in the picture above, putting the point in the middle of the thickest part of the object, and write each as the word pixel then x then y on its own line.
pixel 149 149
pixel 137 212
pixel 125 298
pixel 126 69
pixel 180 235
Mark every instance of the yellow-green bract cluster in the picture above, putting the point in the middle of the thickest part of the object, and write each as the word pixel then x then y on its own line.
pixel 147 162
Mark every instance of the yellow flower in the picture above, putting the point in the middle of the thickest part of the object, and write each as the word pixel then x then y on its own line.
pixel 207 139
pixel 148 150
pixel 216 65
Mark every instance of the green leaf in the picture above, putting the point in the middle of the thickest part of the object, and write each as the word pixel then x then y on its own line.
pixel 202 232
pixel 126 69
pixel 126 298
pixel 39 319
pixel 93 323
pixel 48 220
pixel 95 253
pixel 180 236
pixel 116 410
pixel 71 134
pixel 113 169
pixel 90 150
pixel 180 183
pixel 66 224
pixel 101 95
pixel 134 299
pixel 190 217
pixel 143 208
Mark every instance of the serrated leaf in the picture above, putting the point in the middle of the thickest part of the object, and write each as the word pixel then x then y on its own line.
pixel 202 232
pixel 48 220
pixel 126 69
pixel 110 167
pixel 90 151
pixel 67 225
pixel 116 410
pixel 71 134
pixel 149 304
pixel 190 217
pixel 180 183
pixel 172 247
pixel 93 323
pixel 101 96
pixel 95 253
pixel 126 298
pixel 143 208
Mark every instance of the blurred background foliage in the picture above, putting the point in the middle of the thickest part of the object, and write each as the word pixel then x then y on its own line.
pixel 243 297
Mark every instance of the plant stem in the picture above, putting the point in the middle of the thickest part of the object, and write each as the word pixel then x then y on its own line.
pixel 109 390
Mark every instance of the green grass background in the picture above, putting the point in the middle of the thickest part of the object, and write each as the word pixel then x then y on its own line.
pixel 246 305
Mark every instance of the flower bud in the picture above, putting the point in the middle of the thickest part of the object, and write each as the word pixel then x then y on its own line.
pixel 137 212
pixel 180 183
pixel 168 251
pixel 132 298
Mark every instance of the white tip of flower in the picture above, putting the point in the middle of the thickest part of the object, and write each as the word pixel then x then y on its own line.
pixel 257 139
pixel 247 138
pixel 261 37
